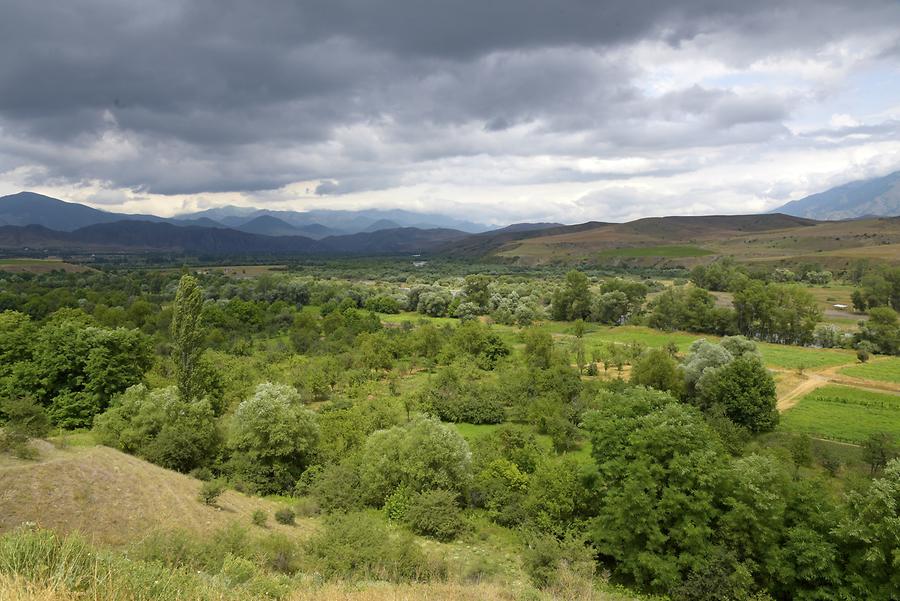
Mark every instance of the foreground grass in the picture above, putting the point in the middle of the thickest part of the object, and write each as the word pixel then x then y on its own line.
pixel 884 370
pixel 844 413
pixel 41 565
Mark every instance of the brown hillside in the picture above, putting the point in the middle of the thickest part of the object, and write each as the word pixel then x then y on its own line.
pixel 773 238
pixel 114 498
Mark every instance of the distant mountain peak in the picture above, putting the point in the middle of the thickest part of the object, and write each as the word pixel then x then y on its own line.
pixel 878 196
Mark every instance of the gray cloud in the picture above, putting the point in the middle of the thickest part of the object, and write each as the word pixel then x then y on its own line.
pixel 179 97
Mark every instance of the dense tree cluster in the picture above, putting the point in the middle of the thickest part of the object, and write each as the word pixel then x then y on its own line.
pixel 668 482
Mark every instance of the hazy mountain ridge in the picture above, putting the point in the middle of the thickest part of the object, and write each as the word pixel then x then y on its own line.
pixel 339 221
pixel 30 208
pixel 877 197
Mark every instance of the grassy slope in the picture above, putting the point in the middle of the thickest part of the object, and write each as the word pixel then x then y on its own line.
pixel 113 498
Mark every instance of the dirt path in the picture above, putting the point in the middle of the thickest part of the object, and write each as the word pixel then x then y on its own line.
pixel 830 375
pixel 812 381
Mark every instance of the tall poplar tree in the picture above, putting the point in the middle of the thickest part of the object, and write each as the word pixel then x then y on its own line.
pixel 187 337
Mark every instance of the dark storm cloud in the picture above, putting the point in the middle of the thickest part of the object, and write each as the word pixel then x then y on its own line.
pixel 181 96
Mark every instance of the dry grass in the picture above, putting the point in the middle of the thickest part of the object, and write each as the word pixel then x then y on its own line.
pixel 405 592
pixel 17 589
pixel 113 498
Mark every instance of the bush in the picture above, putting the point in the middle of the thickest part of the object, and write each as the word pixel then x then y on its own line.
pixel 237 570
pixel 422 455
pixel 435 513
pixel 26 417
pixel 211 490
pixel 306 507
pixel 360 546
pixel 16 444
pixel 160 427
pixel 285 516
pixel 201 473
pixel 396 506
pixel 260 518
pixel 278 553
pixel 550 562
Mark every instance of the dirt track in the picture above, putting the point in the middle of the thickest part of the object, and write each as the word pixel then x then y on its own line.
pixel 830 375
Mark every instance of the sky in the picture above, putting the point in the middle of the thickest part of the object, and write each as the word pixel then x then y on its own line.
pixel 496 111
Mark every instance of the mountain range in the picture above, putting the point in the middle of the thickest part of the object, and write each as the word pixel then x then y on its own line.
pixel 879 197
pixel 34 221
pixel 324 222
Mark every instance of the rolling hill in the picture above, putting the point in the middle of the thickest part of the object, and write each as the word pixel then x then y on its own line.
pixel 878 197
pixel 685 241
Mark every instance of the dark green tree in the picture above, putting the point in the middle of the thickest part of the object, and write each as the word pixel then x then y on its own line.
pixel 745 390
pixel 572 300
pixel 657 369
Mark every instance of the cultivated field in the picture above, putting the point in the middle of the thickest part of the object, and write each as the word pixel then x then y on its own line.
pixel 844 413
pixel 883 370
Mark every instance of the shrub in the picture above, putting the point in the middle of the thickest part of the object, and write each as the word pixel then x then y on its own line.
pixel 16 444
pixel 201 473
pixel 237 570
pixel 435 513
pixel 832 463
pixel 550 561
pixel 260 518
pixel 211 490
pixel 422 455
pixel 396 506
pixel 278 553
pixel 338 487
pixel 360 546
pixel 161 427
pixel 306 507
pixel 285 516
pixel 26 417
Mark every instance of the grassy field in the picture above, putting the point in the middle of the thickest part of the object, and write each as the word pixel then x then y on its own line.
pixel 884 370
pixel 843 413
pixel 39 266
pixel 795 357
pixel 656 251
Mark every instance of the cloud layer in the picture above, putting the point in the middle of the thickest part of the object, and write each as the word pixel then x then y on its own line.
pixel 502 110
